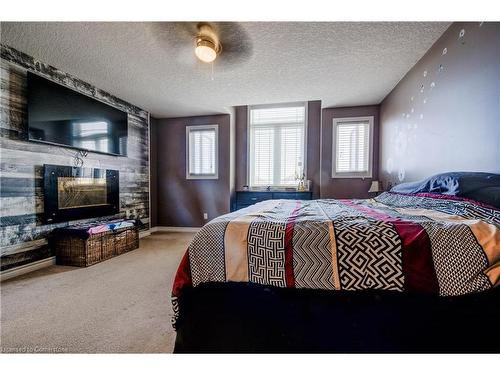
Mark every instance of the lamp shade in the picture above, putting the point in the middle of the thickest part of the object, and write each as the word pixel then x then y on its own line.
pixel 375 187
pixel 205 50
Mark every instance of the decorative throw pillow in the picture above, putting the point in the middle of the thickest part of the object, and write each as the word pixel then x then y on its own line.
pixel 480 186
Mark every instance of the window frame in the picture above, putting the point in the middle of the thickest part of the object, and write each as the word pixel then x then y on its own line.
pixel 249 141
pixel 211 176
pixel 341 120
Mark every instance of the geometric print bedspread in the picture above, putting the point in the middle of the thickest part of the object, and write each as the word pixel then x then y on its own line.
pixel 424 243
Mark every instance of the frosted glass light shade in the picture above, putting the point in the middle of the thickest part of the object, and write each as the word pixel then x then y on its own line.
pixel 205 51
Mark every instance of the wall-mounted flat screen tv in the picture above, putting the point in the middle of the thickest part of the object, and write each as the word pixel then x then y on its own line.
pixel 61 116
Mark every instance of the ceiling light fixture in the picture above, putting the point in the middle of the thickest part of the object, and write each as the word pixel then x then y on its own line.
pixel 206 50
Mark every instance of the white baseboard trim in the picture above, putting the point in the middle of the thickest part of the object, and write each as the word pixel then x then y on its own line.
pixel 144 233
pixel 175 229
pixel 26 268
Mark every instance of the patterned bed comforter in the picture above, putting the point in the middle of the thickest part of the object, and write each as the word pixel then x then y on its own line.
pixel 422 243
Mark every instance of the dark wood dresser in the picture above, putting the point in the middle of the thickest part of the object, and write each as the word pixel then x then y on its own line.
pixel 248 197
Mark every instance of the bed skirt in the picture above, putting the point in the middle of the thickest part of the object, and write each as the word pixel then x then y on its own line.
pixel 250 318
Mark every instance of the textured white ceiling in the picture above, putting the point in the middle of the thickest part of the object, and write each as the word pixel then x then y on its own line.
pixel 152 65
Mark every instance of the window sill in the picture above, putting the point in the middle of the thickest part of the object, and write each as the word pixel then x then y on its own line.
pixel 340 177
pixel 202 177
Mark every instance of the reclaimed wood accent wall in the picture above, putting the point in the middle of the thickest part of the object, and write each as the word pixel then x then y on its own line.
pixel 23 235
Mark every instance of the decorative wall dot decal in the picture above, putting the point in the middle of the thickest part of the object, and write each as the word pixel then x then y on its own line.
pixel 412 98
pixel 421 116
pixel 389 165
pixel 401 143
pixel 401 174
pixel 407 115
pixel 461 36
pixel 440 68
pixel 422 88
pixel 404 114
pixel 445 51
pixel 412 110
pixel 425 73
pixel 433 84
pixel 481 24
pixel 425 100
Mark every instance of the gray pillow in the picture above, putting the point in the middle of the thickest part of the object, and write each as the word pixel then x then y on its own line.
pixel 479 186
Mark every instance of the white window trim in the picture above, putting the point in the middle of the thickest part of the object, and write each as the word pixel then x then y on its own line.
pixel 279 105
pixel 215 175
pixel 341 120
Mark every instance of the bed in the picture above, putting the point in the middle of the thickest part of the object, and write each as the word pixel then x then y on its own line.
pixel 403 272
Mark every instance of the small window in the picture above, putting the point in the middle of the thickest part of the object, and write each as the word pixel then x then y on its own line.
pixel 277 144
pixel 202 152
pixel 352 147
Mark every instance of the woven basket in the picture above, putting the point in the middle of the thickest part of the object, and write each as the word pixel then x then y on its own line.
pixel 75 251
pixel 120 242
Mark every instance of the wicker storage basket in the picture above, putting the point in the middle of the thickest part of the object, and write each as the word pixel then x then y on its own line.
pixel 120 242
pixel 72 250
pixel 132 239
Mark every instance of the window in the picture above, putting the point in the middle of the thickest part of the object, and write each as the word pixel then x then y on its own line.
pixel 202 152
pixel 92 135
pixel 352 147
pixel 277 144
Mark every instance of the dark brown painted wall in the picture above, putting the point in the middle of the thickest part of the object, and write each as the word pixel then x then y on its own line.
pixel 314 145
pixel 154 170
pixel 346 187
pixel 455 123
pixel 182 202
pixel 232 150
pixel 176 201
pixel 241 134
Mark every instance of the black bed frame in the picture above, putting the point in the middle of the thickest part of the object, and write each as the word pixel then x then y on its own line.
pixel 251 318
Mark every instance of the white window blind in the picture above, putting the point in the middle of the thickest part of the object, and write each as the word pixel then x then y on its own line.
pixel 277 144
pixel 201 145
pixel 352 147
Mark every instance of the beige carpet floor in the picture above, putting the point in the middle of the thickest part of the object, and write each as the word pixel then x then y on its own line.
pixel 121 305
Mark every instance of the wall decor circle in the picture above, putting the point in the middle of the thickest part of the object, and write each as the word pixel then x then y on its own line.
pixel 401 174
